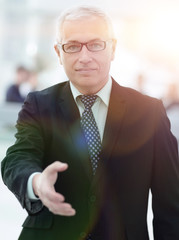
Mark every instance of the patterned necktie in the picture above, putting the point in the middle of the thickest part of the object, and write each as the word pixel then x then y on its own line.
pixel 91 133
pixel 90 130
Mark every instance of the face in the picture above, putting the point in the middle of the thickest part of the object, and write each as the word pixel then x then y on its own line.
pixel 88 71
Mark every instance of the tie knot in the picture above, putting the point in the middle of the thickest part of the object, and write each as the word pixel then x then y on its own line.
pixel 88 100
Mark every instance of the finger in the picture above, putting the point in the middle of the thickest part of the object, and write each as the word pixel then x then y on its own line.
pixel 67 213
pixel 62 213
pixel 57 167
pixel 55 197
pixel 64 209
pixel 50 196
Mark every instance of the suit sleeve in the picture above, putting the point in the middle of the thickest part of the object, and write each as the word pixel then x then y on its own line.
pixel 26 155
pixel 165 180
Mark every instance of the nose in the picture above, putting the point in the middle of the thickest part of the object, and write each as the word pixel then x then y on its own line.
pixel 84 55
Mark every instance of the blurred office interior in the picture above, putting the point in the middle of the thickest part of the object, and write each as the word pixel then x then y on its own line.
pixel 147 59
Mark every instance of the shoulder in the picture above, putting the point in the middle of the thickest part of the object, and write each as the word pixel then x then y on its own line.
pixel 145 111
pixel 43 101
pixel 139 108
pixel 133 97
pixel 53 90
pixel 52 93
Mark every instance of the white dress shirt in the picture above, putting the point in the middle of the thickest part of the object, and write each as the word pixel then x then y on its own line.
pixel 99 109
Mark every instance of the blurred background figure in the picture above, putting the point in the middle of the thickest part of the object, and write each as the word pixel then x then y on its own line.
pixel 171 99
pixel 33 81
pixel 140 83
pixel 24 82
pixel 29 85
pixel 13 92
pixel 171 102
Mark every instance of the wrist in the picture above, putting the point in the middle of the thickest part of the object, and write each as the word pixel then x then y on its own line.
pixel 35 181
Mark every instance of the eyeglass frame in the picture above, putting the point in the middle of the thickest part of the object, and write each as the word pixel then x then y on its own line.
pixel 84 44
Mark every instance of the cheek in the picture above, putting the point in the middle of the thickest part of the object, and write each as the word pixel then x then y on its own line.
pixel 68 66
pixel 65 63
pixel 106 62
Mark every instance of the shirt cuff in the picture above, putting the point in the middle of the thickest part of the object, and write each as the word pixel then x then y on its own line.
pixel 30 191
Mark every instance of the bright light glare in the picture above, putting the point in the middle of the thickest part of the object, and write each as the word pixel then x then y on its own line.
pixel 157 36
pixel 164 32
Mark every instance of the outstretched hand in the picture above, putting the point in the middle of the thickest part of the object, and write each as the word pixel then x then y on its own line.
pixel 43 186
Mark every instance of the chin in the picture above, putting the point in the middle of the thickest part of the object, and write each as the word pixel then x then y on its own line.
pixel 90 88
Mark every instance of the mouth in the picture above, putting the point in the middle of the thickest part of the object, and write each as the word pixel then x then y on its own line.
pixel 85 70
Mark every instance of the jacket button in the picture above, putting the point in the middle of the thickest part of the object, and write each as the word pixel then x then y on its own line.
pixel 93 198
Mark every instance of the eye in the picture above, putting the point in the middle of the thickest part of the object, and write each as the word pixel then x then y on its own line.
pixel 71 47
pixel 96 45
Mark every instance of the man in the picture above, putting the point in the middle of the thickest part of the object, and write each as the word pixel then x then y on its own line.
pixel 14 93
pixel 81 178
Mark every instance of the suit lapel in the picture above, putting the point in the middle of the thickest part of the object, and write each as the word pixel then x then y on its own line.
pixel 116 111
pixel 115 116
pixel 71 116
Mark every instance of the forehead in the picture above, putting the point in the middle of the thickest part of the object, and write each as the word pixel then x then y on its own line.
pixel 84 29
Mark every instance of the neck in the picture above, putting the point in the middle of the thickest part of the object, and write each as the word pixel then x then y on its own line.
pixel 90 90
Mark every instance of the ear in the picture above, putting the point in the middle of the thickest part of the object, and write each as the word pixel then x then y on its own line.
pixel 113 48
pixel 58 52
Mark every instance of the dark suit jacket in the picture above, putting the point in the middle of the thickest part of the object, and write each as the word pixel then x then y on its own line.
pixel 139 153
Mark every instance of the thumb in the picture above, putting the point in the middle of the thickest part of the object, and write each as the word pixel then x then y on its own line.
pixel 58 166
pixel 51 172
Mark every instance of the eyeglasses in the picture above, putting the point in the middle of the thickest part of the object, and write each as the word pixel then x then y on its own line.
pixel 74 47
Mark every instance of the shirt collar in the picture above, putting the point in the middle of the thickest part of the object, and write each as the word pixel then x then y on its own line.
pixel 103 94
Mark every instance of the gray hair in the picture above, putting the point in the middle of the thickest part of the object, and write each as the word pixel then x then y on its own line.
pixel 81 12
